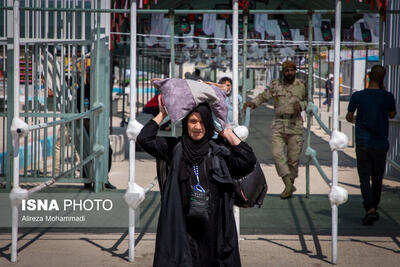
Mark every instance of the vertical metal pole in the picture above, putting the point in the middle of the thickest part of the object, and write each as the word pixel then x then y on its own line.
pixel 46 21
pixel 37 17
pixel 172 41
pixel 55 28
pixel 123 122
pixel 319 74
pixel 92 18
pixel 81 107
pixel 172 60
pixel 352 70
pixel 111 89
pixel 26 3
pixel 380 39
pixel 40 20
pixel 245 25
pixel 64 21
pixel 143 76
pixel 46 85
pixel 235 63
pixel 54 82
pixel 147 77
pixel 74 108
pixel 26 106
pixel 235 85
pixel 63 97
pixel 73 20
pixel 366 67
pixel 83 25
pixel 335 124
pixel 14 234
pixel 310 75
pixel 132 144
pixel 98 183
pixel 329 71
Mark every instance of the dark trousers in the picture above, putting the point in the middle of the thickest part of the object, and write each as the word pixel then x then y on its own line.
pixel 371 167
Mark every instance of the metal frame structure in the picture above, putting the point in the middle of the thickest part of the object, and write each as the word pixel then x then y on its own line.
pixel 98 114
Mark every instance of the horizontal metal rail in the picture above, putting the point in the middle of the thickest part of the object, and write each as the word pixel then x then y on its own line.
pixel 312 154
pixel 394 164
pixel 285 42
pixel 48 115
pixel 52 41
pixel 321 123
pixel 63 121
pixel 151 185
pixel 202 11
pixel 97 152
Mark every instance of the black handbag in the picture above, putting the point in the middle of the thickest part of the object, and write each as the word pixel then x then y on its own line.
pixel 251 189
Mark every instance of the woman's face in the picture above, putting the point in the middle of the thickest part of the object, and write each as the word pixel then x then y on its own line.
pixel 196 129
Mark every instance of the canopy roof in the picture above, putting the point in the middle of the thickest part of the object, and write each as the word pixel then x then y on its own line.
pixel 294 21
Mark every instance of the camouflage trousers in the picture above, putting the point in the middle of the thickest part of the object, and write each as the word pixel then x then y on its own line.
pixel 286 149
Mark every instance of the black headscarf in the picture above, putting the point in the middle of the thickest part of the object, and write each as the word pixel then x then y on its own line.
pixel 194 151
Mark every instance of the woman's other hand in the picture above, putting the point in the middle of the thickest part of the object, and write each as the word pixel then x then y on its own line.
pixel 223 87
pixel 230 136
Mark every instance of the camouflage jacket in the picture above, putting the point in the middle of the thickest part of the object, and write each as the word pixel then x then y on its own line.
pixel 284 96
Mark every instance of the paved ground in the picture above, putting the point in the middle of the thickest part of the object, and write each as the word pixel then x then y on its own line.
pixel 293 232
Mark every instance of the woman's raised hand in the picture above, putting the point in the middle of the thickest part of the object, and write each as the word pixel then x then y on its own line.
pixel 163 112
pixel 223 87
pixel 161 106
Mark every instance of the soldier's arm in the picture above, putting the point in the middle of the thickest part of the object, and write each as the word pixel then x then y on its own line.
pixel 263 97
pixel 304 101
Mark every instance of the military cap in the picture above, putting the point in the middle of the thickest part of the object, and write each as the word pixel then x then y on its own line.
pixel 288 64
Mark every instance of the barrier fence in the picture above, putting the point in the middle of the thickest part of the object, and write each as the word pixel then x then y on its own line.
pixel 64 106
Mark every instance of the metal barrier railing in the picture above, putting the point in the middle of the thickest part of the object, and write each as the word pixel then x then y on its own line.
pixel 235 13
pixel 312 111
pixel 98 112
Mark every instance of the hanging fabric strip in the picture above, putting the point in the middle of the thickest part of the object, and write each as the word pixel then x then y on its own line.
pixel 209 21
pixel 260 22
pixel 316 20
pixel 156 22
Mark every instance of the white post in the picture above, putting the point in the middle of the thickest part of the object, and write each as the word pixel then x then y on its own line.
pixel 235 85
pixel 14 234
pixel 335 124
pixel 132 114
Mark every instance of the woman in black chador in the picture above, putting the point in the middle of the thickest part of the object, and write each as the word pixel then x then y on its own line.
pixel 196 225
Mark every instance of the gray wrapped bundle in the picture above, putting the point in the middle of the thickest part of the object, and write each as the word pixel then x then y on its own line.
pixel 182 95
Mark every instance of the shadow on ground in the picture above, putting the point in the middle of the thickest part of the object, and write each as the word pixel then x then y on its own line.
pixel 299 216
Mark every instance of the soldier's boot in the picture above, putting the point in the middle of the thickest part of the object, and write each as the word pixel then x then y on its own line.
pixel 293 187
pixel 287 192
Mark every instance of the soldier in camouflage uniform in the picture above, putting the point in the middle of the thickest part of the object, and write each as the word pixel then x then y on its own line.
pixel 290 98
